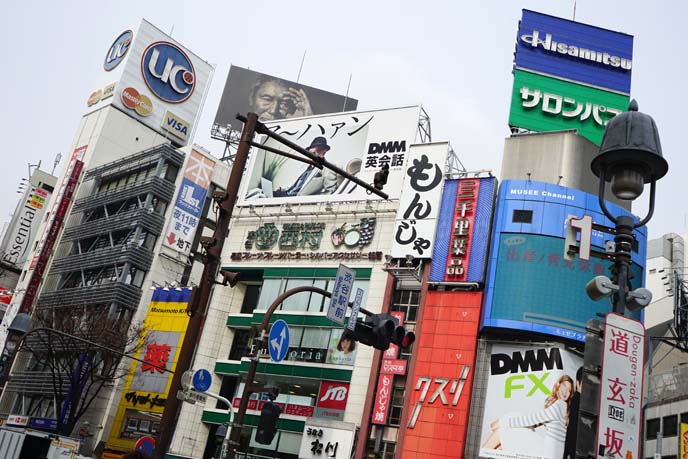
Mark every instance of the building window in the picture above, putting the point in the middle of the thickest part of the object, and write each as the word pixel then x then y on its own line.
pixel 304 301
pixel 670 426
pixel 251 296
pixel 407 301
pixel 651 428
pixel 522 216
pixel 397 406
pixel 385 451
pixel 684 418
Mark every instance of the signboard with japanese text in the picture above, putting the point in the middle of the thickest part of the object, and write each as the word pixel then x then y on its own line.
pixel 357 142
pixel 463 230
pixel 683 441
pixel 621 388
pixel 574 51
pixel 383 398
pixel 339 301
pixel 327 439
pixel 439 385
pixel 157 81
pixel 189 205
pixel 273 98
pixel 147 385
pixel 526 404
pixel 393 366
pixel 530 286
pixel 419 203
pixel 542 104
pixel 291 409
pixel 332 399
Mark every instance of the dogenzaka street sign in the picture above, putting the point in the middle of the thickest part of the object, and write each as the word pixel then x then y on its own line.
pixel 621 388
pixel 340 294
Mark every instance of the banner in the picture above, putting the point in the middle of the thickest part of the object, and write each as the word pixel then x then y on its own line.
pixel 529 392
pixel 683 442
pixel 359 143
pixel 273 98
pixel 147 385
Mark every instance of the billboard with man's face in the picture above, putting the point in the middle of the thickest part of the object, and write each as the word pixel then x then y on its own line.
pixel 273 98
pixel 360 143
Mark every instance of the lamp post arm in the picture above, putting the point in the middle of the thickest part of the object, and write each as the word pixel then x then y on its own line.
pixel 652 206
pixel 600 196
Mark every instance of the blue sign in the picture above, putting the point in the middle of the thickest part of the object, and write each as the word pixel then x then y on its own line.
pixel 43 423
pixel 530 286
pixel 201 380
pixel 278 340
pixel 168 72
pixel 145 445
pixel 118 50
pixel 574 51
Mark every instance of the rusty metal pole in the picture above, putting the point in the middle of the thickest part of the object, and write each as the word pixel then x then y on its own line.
pixel 199 303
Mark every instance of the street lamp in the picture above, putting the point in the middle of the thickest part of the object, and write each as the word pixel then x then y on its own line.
pixel 630 156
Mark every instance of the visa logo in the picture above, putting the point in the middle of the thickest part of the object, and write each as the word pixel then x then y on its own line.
pixel 176 126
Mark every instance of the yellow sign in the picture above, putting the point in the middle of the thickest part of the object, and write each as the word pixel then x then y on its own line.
pixel 148 384
pixel 683 442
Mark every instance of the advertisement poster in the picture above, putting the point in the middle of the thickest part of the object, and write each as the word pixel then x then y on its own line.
pixel 683 442
pixel 273 98
pixel 529 392
pixel 340 351
pixel 147 385
pixel 359 143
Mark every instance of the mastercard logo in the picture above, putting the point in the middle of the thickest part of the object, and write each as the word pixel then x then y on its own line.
pixel 136 101
pixel 95 97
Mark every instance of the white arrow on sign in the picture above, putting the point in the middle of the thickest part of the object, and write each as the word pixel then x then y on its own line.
pixel 278 345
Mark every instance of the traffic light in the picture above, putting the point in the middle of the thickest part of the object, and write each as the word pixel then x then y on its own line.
pixel 267 426
pixel 380 178
pixel 379 331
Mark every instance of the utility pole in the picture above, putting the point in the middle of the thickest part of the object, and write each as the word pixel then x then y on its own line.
pixel 199 299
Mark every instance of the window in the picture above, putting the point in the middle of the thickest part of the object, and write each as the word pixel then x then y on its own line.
pixel 304 301
pixel 251 296
pixel 522 216
pixel 406 301
pixel 651 428
pixel 684 418
pixel 386 450
pixel 396 407
pixel 670 426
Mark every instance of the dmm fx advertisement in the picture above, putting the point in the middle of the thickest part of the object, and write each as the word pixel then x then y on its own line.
pixel 529 392
pixel 360 143
pixel 147 384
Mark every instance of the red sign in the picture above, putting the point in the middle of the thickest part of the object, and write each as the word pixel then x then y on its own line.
pixel 382 399
pixel 288 408
pixel 49 243
pixel 439 390
pixel 460 241
pixel 333 395
pixel 393 367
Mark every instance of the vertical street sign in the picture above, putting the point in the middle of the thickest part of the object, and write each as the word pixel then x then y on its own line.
pixel 621 388
pixel 340 294
pixel 355 308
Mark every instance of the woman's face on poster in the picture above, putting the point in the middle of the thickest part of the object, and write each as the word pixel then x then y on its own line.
pixel 564 392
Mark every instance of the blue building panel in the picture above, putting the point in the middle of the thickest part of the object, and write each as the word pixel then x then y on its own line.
pixel 574 51
pixel 444 229
pixel 481 230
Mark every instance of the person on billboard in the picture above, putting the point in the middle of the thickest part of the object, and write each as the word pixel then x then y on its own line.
pixel 312 181
pixel 271 99
pixel 514 432
pixel 344 353
pixel 572 427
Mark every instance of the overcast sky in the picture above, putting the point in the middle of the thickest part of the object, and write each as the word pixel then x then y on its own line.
pixel 453 57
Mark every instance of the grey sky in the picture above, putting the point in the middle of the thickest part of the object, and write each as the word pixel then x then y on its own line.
pixel 453 57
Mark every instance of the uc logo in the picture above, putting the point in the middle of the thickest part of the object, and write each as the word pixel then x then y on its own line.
pixel 117 50
pixel 168 72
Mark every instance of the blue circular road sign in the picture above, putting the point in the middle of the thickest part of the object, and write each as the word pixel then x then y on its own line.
pixel 278 341
pixel 201 380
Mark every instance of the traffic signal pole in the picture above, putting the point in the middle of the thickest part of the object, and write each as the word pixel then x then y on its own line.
pixel 262 339
pixel 199 301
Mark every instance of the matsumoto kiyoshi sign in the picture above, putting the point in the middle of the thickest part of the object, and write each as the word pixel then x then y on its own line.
pixel 574 51
pixel 542 104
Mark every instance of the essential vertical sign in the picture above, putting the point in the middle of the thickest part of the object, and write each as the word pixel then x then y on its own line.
pixel 621 388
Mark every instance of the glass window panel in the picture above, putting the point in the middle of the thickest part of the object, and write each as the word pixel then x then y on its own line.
pixel 651 428
pixel 290 443
pixel 316 302
pixel 315 338
pixel 669 426
pixel 298 302
pixel 271 290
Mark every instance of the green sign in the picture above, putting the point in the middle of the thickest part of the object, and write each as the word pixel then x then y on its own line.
pixel 542 104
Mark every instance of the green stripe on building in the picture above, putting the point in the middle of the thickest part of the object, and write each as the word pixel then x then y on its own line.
pixel 290 319
pixel 234 368
pixel 290 425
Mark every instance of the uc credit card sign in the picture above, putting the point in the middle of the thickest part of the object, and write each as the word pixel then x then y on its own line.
pixel 574 51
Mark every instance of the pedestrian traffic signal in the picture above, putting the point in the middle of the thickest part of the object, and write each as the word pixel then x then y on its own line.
pixel 380 178
pixel 379 331
pixel 267 425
